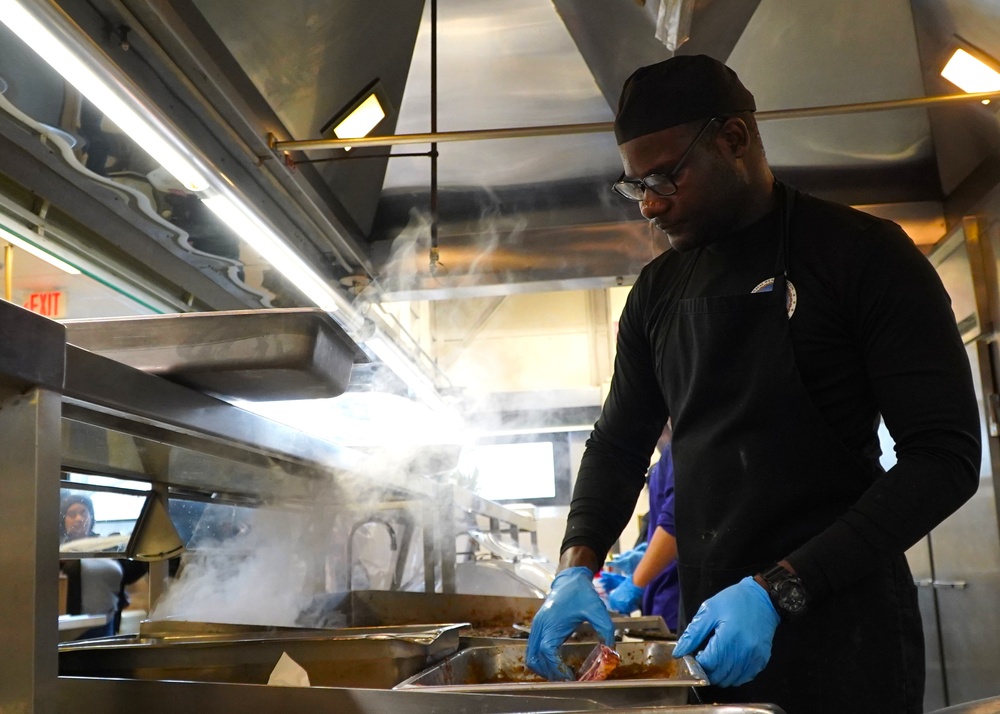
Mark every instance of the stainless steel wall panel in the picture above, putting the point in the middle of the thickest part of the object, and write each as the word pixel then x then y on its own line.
pixel 919 558
pixel 967 582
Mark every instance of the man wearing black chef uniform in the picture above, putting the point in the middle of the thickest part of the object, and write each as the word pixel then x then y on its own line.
pixel 774 334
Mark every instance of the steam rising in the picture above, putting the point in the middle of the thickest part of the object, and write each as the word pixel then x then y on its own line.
pixel 277 566
pixel 258 577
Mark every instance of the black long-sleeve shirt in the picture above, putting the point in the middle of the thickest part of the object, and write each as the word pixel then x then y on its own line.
pixel 873 334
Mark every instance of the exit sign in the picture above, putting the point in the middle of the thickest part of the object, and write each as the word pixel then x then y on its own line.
pixel 50 304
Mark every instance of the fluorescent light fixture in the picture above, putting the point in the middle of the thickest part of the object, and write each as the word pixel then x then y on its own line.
pixel 392 357
pixel 971 74
pixel 75 70
pixel 82 65
pixel 27 247
pixel 249 227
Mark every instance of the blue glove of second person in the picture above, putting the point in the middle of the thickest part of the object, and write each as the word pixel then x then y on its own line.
pixel 609 581
pixel 572 600
pixel 741 622
pixel 626 562
pixel 626 597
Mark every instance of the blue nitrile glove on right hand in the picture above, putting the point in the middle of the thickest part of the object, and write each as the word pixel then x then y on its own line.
pixel 626 597
pixel 626 562
pixel 572 600
pixel 741 621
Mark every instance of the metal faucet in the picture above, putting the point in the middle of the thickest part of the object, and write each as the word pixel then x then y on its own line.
pixel 393 547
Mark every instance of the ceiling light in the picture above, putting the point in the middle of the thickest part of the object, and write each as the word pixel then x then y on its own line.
pixel 971 73
pixel 83 65
pixel 74 65
pixel 362 120
pixel 245 224
pixel 27 247
pixel 360 116
pixel 389 353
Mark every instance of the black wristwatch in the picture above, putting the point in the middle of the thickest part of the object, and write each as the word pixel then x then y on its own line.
pixel 786 591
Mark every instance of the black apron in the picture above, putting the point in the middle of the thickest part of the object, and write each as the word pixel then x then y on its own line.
pixel 758 473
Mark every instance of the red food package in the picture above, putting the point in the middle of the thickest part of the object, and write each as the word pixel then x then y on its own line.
pixel 599 664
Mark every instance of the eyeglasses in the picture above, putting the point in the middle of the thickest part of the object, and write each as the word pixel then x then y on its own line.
pixel 660 184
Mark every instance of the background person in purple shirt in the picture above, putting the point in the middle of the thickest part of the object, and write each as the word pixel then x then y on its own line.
pixel 652 581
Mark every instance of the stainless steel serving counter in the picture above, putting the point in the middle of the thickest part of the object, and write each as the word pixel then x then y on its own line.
pixel 120 697
pixel 372 658
pixel 65 409
pixel 110 696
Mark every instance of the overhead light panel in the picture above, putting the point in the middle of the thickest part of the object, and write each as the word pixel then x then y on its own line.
pixel 34 250
pixel 45 29
pixel 75 66
pixel 360 116
pixel 361 121
pixel 389 353
pixel 970 73
pixel 247 226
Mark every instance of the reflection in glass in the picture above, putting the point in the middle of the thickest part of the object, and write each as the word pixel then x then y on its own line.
pixel 201 524
pixel 97 521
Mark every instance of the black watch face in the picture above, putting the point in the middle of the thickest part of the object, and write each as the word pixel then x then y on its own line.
pixel 791 597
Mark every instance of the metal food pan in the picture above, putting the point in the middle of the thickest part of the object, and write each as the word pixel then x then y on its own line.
pixel 154 631
pixel 294 353
pixel 376 661
pixel 706 709
pixel 648 674
pixel 492 618
pixel 486 615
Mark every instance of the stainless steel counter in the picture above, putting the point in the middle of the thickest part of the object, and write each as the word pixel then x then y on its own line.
pixel 331 658
pixel 109 696
pixel 120 696
pixel 65 409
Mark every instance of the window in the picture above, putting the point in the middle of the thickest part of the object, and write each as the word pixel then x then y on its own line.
pixel 525 468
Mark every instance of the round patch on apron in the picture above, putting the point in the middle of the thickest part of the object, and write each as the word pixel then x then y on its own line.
pixel 791 297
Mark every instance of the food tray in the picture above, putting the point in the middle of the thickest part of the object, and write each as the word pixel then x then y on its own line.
pixel 376 661
pixel 489 616
pixel 707 709
pixel 648 673
pixel 295 353
pixel 164 630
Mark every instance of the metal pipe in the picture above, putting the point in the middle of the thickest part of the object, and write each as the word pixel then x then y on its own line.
pixel 355 156
pixel 836 109
pixel 601 127
pixel 8 273
pixel 434 255
pixel 393 546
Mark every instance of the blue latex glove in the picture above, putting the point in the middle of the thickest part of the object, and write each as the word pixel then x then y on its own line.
pixel 572 600
pixel 741 621
pixel 626 562
pixel 626 597
pixel 609 581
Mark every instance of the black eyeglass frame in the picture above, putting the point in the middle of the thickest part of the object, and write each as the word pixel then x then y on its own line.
pixel 620 186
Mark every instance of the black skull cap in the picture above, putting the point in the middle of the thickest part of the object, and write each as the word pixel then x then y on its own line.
pixel 676 91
